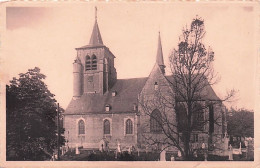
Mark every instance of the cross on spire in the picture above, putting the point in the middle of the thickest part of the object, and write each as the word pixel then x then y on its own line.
pixel 95 13
pixel 96 36
pixel 159 56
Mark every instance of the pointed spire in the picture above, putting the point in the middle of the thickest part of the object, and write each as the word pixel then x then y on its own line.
pixel 95 13
pixel 96 36
pixel 159 56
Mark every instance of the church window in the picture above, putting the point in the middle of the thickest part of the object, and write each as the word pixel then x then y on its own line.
pixel 211 118
pixel 107 107
pixel 81 126
pixel 156 121
pixel 181 114
pixel 114 93
pixel 195 138
pixel 156 86
pixel 88 63
pixel 106 126
pixel 94 62
pixel 135 107
pixel 129 126
pixel 198 117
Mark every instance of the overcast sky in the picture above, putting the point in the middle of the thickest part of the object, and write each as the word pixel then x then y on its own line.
pixel 46 37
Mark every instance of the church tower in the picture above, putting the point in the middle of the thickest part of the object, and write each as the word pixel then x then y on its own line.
pixel 93 69
pixel 159 56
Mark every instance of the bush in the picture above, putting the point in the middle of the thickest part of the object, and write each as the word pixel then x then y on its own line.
pixel 101 156
pixel 125 156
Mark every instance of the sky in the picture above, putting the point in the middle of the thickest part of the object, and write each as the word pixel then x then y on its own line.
pixel 46 37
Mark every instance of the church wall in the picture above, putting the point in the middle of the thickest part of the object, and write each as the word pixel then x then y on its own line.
pixel 218 131
pixel 96 80
pixel 112 74
pixel 102 79
pixel 94 130
pixel 148 93
pixel 77 79
pixel 93 79
pixel 152 98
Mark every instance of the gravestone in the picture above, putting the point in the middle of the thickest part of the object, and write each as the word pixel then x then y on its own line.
pixel 77 150
pixel 162 155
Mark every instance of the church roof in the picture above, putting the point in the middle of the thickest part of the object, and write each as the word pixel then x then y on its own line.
pixel 95 36
pixel 159 56
pixel 95 39
pixel 126 96
pixel 207 93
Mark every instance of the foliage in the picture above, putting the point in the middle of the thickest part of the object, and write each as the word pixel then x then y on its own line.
pixel 240 123
pixel 31 132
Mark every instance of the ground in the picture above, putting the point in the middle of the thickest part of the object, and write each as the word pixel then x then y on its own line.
pixel 94 155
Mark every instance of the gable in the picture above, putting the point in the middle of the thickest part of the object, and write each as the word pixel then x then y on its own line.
pixel 156 76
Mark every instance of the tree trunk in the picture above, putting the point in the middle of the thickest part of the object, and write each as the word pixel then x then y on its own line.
pixel 186 147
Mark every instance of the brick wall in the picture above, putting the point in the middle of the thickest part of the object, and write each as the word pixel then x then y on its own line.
pixel 94 130
pixel 152 98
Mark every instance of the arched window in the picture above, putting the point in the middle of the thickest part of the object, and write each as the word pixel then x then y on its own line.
pixel 87 63
pixel 198 117
pixel 94 62
pixel 156 121
pixel 181 115
pixel 129 126
pixel 81 125
pixel 106 126
pixel 211 118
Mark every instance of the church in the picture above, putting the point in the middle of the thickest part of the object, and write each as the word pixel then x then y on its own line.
pixel 106 111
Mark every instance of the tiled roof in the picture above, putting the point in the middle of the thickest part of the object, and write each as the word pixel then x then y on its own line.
pixel 207 92
pixel 159 56
pixel 96 36
pixel 127 94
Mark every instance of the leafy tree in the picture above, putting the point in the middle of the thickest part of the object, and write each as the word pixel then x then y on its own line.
pixel 240 123
pixel 31 118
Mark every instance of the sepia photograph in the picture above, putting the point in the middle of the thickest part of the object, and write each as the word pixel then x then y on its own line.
pixel 114 81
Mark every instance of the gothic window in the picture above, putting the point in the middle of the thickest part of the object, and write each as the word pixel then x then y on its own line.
pixel 88 63
pixel 223 123
pixel 94 62
pixel 211 118
pixel 156 121
pixel 106 126
pixel 109 67
pixel 81 126
pixel 198 117
pixel 129 126
pixel 194 138
pixel 181 114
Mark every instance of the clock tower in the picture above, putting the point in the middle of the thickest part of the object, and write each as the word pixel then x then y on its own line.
pixel 93 68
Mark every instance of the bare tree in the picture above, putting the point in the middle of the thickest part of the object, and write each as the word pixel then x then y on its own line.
pixel 187 106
